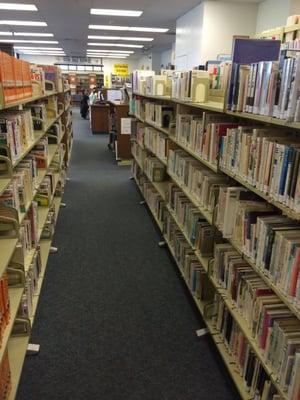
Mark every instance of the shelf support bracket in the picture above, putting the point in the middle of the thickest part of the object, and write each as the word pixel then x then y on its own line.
pixel 142 202
pixel 63 205
pixel 53 250
pixel 162 243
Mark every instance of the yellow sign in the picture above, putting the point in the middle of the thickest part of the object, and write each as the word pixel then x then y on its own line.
pixel 121 69
pixel 107 80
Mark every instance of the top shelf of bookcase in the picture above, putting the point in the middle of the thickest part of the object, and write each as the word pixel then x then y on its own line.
pixel 291 28
pixel 208 105
pixel 29 100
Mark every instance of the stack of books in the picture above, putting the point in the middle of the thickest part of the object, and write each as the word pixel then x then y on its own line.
pixel 202 133
pixel 154 169
pixel 159 114
pixel 267 159
pixel 200 182
pixel 15 79
pixel 16 133
pixel 200 233
pixel 40 152
pixel 156 142
pixel 154 200
pixel 46 190
pixel 254 376
pixel 139 80
pixel 158 85
pixel 48 230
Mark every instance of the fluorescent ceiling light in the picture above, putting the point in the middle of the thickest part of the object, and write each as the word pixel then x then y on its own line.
pixel 127 28
pixel 107 54
pixel 43 51
pixel 22 23
pixel 109 51
pixel 29 41
pixel 137 46
pixel 114 57
pixel 18 7
pixel 43 54
pixel 5 33
pixel 33 34
pixel 133 38
pixel 37 48
pixel 120 13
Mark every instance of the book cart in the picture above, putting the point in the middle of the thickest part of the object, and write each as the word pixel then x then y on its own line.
pixel 157 194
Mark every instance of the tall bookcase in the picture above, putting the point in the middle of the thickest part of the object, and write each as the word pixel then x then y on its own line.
pixel 15 341
pixel 147 146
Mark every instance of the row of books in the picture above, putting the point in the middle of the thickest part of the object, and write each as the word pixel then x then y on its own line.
pixel 156 142
pixel 266 158
pixel 26 308
pixel 138 153
pixel 154 169
pixel 49 226
pixel 269 240
pixel 189 264
pixel 5 377
pixel 20 80
pixel 140 135
pixel 202 133
pixel 15 78
pixel 267 88
pixel 4 305
pixel 255 378
pixel 199 181
pixel 161 115
pixel 269 321
pixel 22 187
pixel 200 233
pixel 189 85
pixel 16 133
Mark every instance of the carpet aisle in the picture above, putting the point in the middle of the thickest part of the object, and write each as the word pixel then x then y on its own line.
pixel 114 320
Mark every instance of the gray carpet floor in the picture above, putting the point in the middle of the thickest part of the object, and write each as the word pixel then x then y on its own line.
pixel 115 322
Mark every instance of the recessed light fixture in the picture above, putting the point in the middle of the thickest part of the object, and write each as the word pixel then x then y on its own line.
pixel 133 38
pixel 120 13
pixel 22 23
pixel 37 48
pixel 137 46
pixel 6 34
pixel 29 41
pixel 33 34
pixel 110 51
pixel 18 7
pixel 127 28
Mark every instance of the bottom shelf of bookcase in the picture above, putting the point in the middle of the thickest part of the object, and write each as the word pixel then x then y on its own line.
pixel 228 361
pixel 17 347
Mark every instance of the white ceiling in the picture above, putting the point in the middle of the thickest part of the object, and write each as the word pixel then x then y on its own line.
pixel 68 20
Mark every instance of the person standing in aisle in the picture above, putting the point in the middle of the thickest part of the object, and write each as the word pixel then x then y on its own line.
pixel 84 105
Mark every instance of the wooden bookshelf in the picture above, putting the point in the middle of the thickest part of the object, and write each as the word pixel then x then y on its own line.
pixel 17 345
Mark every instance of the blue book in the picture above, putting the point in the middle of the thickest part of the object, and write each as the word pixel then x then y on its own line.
pixel 285 163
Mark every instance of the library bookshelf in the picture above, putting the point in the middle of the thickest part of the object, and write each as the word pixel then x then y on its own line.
pixel 15 345
pixel 161 188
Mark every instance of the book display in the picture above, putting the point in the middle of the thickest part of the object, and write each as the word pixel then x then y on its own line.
pixel 221 180
pixel 35 146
